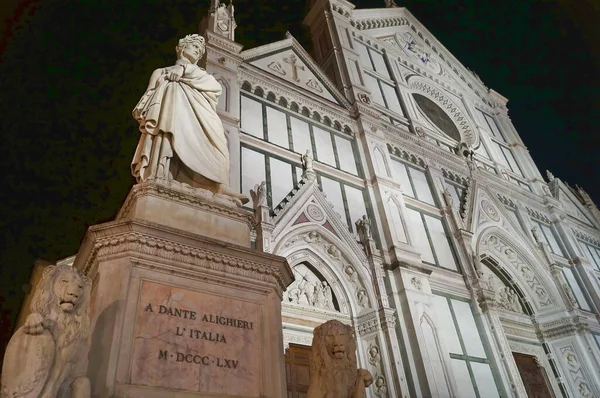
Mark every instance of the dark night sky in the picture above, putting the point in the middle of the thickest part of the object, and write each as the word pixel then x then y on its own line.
pixel 71 72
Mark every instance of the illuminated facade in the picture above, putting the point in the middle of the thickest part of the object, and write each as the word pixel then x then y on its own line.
pixel 475 271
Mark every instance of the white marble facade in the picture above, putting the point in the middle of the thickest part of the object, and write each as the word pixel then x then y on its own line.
pixel 472 256
pixel 475 256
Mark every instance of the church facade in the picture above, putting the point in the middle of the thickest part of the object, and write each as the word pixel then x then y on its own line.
pixel 426 224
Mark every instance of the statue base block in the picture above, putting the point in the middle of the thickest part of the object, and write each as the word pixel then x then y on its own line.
pixel 176 313
pixel 196 210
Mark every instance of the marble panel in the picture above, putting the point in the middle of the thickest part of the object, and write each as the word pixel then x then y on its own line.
pixel 196 341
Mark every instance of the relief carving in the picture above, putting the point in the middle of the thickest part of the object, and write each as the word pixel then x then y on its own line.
pixel 374 357
pixel 503 250
pixel 309 290
pixel 509 300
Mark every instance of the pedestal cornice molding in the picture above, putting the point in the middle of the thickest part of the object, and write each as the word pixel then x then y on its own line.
pixel 196 256
pixel 201 199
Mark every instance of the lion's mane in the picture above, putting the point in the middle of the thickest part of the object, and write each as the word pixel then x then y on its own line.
pixel 66 327
pixel 327 372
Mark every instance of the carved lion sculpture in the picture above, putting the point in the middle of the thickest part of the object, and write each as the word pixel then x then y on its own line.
pixel 47 356
pixel 333 364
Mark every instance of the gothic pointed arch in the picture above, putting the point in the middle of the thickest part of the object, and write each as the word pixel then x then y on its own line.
pixel 309 227
pixel 521 267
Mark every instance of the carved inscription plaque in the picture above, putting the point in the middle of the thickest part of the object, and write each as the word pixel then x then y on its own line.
pixel 196 341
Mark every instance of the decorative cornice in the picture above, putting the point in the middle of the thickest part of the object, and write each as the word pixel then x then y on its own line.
pixel 219 42
pixel 456 177
pixel 538 215
pixel 135 239
pixel 256 77
pixel 201 199
pixel 368 323
pixel 506 201
pixel 370 22
pixel 585 237
pixel 406 155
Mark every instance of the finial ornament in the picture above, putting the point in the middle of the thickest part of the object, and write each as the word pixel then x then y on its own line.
pixel 550 175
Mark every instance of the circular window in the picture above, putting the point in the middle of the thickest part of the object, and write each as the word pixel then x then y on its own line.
pixel 437 116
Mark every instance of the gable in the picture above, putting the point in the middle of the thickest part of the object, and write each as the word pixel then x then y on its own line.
pixel 288 61
pixel 423 52
pixel 487 211
pixel 573 208
pixel 309 206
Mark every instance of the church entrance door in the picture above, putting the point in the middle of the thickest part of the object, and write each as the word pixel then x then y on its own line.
pixel 297 370
pixel 533 376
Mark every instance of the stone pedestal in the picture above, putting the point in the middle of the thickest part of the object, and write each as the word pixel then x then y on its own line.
pixel 181 306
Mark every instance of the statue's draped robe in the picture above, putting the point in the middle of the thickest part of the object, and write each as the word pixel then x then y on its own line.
pixel 181 117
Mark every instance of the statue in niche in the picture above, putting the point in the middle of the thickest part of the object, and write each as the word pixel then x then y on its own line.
pixel 333 365
pixel 536 235
pixel 259 195
pixel 182 137
pixel 448 198
pixel 363 227
pixel 307 162
pixel 47 356
pixel 570 295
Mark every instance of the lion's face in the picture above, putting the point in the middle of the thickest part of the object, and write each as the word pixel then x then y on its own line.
pixel 336 339
pixel 68 290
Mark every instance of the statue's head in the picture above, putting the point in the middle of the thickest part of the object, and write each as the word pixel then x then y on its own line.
pixel 62 289
pixel 191 47
pixel 335 340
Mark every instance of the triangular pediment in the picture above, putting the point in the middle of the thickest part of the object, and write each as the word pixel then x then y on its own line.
pixel 487 211
pixel 288 61
pixel 571 203
pixel 421 51
pixel 308 205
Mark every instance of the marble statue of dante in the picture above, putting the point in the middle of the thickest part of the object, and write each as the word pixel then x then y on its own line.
pixel 182 135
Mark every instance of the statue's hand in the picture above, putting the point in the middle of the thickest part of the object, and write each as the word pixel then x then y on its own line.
pixel 173 77
pixel 174 73
pixel 366 376
pixel 34 324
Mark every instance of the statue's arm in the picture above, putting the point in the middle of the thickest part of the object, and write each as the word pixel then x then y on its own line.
pixel 154 78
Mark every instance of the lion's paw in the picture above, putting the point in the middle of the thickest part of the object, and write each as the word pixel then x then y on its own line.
pixel 34 324
pixel 366 376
